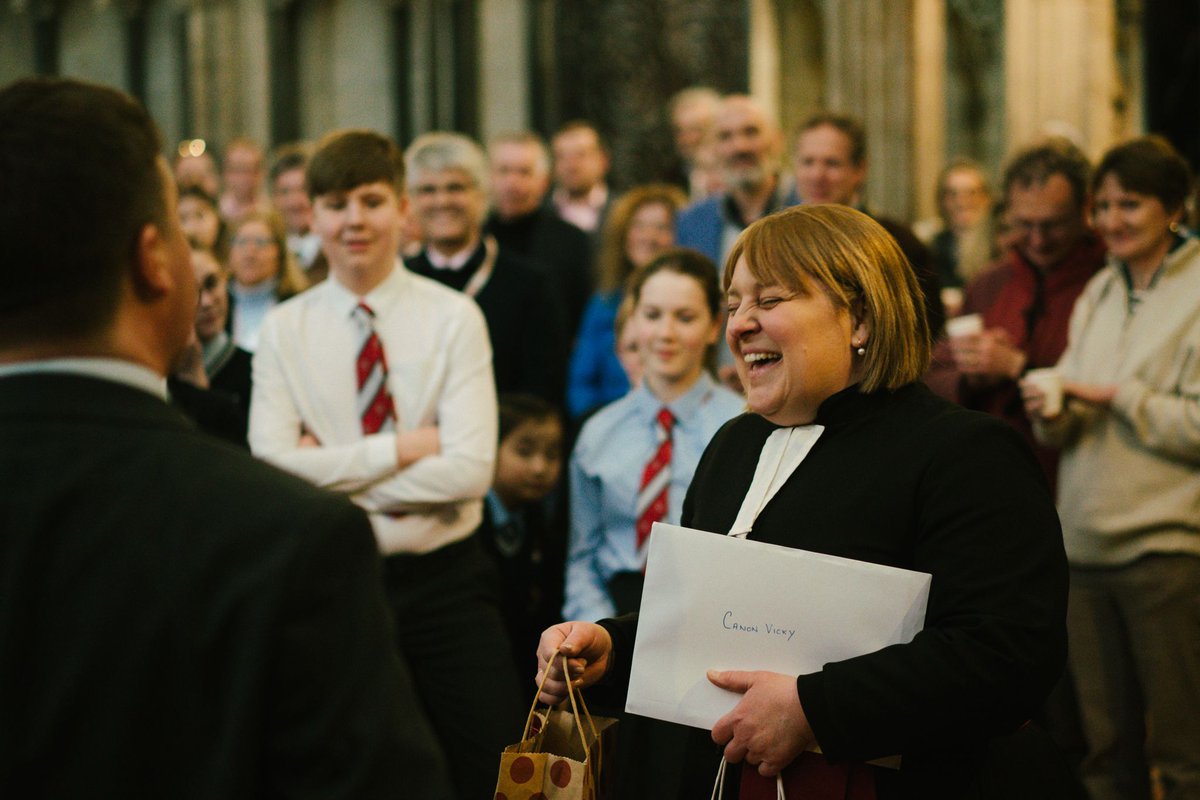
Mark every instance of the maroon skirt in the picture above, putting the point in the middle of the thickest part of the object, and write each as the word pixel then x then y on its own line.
pixel 811 777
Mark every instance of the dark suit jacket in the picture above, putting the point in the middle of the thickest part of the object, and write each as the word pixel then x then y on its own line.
pixel 178 620
pixel 559 249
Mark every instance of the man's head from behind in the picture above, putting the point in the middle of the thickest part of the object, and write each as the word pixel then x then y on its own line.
pixel 1045 188
pixel 88 213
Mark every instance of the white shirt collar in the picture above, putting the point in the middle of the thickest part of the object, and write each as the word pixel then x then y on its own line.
pixel 110 369
pixel 456 261
pixel 380 299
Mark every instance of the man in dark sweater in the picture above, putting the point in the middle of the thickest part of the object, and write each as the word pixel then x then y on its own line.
pixel 524 223
pixel 447 181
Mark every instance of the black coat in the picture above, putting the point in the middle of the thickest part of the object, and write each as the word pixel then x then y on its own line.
pixel 909 480
pixel 525 323
pixel 179 620
pixel 560 250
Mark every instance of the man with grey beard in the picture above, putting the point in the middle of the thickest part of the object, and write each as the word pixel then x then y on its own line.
pixel 748 147
pixel 749 144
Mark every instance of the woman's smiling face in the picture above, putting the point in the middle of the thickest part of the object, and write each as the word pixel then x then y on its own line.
pixel 793 350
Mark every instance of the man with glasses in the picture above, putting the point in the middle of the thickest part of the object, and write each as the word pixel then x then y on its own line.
pixel 1027 296
pixel 448 184
pixel 1026 300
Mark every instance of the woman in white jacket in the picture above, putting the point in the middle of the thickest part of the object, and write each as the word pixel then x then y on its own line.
pixel 1129 480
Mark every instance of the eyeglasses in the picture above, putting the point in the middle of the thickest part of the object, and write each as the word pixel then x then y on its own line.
pixel 257 241
pixel 453 188
pixel 1045 227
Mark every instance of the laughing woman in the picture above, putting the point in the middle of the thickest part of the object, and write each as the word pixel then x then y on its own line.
pixel 828 332
pixel 634 459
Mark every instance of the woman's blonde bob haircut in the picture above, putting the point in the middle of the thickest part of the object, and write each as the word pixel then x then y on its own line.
pixel 292 280
pixel 860 267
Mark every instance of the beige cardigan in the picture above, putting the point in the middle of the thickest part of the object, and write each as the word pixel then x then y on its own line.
pixel 1129 479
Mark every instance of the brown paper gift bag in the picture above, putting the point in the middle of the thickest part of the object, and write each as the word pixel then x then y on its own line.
pixel 559 756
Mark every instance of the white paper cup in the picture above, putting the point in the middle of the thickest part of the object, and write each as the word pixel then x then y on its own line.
pixel 952 300
pixel 966 325
pixel 1050 381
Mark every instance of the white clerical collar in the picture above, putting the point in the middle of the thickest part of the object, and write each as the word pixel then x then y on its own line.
pixel 782 453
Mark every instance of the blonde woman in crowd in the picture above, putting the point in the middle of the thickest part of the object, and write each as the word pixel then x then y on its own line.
pixel 640 225
pixel 264 273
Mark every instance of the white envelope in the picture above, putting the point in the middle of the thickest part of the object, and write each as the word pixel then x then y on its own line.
pixel 720 602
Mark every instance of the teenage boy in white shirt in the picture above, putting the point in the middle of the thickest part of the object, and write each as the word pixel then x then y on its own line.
pixel 408 433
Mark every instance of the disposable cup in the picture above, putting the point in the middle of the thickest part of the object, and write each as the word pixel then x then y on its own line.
pixel 1050 381
pixel 966 325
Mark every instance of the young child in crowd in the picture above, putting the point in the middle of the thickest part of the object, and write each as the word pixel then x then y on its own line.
pixel 518 528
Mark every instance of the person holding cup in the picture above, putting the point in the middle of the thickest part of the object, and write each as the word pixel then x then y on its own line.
pixel 1025 299
pixel 1129 480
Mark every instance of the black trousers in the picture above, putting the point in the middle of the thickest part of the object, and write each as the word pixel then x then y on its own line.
pixel 449 630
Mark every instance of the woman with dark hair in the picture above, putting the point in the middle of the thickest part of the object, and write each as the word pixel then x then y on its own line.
pixel 634 458
pixel 1129 480
pixel 264 273
pixel 829 335
pixel 640 225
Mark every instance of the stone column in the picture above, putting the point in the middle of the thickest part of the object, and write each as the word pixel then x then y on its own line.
pixel 929 103
pixel 165 69
pixel 766 66
pixel 92 43
pixel 869 73
pixel 16 42
pixel 363 65
pixel 253 71
pixel 1061 71
pixel 504 101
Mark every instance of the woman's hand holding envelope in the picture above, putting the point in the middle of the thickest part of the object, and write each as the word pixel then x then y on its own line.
pixel 768 727
pixel 587 647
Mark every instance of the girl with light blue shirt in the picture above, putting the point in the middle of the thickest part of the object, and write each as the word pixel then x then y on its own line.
pixel 677 323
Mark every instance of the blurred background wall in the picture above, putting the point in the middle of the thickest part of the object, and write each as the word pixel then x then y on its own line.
pixel 931 78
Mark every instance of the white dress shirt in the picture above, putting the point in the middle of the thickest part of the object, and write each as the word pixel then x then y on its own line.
pixel 439 362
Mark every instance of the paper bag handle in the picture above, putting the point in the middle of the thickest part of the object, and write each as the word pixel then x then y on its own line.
pixel 718 791
pixel 571 690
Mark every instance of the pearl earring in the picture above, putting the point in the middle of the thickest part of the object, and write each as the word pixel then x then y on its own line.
pixel 862 351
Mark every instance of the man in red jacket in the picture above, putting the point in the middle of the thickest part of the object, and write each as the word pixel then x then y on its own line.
pixel 1027 296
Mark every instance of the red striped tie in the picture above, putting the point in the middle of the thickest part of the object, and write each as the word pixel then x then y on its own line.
pixel 656 481
pixel 375 406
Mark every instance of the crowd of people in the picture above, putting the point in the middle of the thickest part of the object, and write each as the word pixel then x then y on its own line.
pixel 513 370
